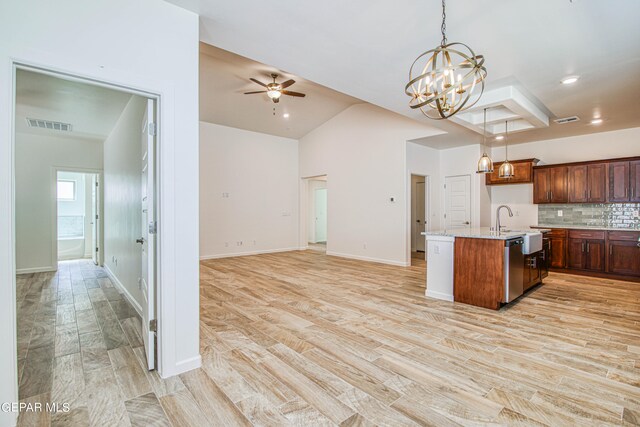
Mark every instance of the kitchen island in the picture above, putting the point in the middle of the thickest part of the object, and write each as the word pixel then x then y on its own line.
pixel 480 267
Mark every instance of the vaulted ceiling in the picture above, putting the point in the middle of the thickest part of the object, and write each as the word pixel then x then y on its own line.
pixel 364 49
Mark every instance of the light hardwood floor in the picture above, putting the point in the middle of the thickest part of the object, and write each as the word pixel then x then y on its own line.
pixel 301 338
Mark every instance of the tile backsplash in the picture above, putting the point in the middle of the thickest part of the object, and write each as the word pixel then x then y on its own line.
pixel 615 215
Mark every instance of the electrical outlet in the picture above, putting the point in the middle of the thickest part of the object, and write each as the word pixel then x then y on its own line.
pixel 364 246
pixel 436 249
pixel 559 213
pixel 635 214
pixel 225 195
pixel 226 244
pixel 239 243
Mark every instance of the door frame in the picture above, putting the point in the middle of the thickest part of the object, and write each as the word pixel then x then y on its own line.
pixel 54 220
pixel 303 209
pixel 409 214
pixel 82 76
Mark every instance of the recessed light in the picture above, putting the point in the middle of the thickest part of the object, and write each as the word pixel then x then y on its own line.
pixel 500 137
pixel 596 121
pixel 285 115
pixel 569 80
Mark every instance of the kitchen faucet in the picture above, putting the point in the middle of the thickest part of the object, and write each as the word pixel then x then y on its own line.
pixel 498 216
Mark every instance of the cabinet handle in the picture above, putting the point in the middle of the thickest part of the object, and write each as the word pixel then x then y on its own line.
pixel 551 194
pixel 589 195
pixel 611 248
pixel 587 247
pixel 583 247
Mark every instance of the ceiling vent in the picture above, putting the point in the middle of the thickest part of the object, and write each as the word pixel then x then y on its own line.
pixel 567 120
pixel 48 124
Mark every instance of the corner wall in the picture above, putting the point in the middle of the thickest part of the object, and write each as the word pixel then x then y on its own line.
pixel 36 158
pixel 362 151
pixel 248 192
pixel 122 193
pixel 604 145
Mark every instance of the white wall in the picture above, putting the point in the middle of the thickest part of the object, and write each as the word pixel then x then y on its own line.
pixel 248 192
pixel 604 145
pixel 127 43
pixel 122 194
pixel 362 150
pixel 36 156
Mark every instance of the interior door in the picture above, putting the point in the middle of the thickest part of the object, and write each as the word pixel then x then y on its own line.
pixel 457 202
pixel 321 214
pixel 95 218
pixel 421 221
pixel 147 240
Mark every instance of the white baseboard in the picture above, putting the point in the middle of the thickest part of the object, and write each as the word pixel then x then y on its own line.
pixel 236 254
pixel 36 270
pixel 184 366
pixel 123 290
pixel 370 259
pixel 439 295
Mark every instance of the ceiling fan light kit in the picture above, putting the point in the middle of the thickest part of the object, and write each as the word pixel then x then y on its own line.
pixel 446 79
pixel 275 90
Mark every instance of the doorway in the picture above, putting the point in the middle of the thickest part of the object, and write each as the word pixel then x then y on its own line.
pixel 85 178
pixel 317 213
pixel 419 216
pixel 457 202
pixel 77 215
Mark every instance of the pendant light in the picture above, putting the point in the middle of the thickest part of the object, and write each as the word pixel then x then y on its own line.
pixel 446 79
pixel 485 165
pixel 506 168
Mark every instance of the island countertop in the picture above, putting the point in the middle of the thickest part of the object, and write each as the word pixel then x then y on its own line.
pixel 483 233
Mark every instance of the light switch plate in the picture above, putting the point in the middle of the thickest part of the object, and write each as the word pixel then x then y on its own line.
pixel 559 213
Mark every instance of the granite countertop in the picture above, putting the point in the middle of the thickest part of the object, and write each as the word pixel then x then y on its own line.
pixel 585 227
pixel 482 233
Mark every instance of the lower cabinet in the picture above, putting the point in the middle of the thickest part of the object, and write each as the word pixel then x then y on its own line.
pixel 585 254
pixel 557 248
pixel 624 253
pixel 531 273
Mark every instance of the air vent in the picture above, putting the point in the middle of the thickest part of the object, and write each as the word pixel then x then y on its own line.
pixel 48 124
pixel 567 120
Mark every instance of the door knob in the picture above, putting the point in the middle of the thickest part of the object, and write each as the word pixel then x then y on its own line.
pixel 467 222
pixel 140 240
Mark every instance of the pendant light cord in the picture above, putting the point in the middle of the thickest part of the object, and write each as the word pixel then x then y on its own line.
pixel 506 141
pixel 484 132
pixel 443 27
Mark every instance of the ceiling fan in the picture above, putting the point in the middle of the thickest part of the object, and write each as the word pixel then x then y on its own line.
pixel 275 90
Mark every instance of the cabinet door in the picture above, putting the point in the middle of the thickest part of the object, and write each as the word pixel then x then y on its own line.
pixel 543 259
pixel 541 186
pixel 557 257
pixel 634 180
pixel 576 254
pixel 624 258
pixel 578 184
pixel 595 255
pixel 558 184
pixel 618 182
pixel 597 183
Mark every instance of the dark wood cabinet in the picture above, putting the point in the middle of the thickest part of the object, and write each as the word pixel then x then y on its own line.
pixel 634 180
pixel 586 250
pixel 619 182
pixel 543 257
pixel 550 184
pixel 531 271
pixel 587 183
pixel 522 173
pixel 557 248
pixel 624 253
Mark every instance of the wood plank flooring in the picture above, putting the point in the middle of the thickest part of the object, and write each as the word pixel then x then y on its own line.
pixel 301 338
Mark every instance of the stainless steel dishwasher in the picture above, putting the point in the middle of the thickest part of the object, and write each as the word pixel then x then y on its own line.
pixel 513 269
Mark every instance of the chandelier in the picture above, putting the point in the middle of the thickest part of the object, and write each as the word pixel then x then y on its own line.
pixel 447 79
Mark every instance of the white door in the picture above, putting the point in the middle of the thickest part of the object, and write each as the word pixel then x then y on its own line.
pixel 457 202
pixel 421 219
pixel 321 214
pixel 95 218
pixel 149 226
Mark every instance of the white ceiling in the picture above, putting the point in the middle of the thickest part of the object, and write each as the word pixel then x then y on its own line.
pixel 91 110
pixel 364 48
pixel 224 77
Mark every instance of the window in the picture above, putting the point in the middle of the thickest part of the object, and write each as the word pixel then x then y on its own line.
pixel 66 190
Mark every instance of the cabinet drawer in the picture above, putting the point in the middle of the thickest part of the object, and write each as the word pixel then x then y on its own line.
pixel 625 236
pixel 586 234
pixel 557 232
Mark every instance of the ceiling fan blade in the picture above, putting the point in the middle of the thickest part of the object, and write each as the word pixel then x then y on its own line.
pixel 287 84
pixel 288 92
pixel 256 81
pixel 258 91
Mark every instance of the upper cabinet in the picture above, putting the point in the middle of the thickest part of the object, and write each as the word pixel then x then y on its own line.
pixel 523 173
pixel 587 183
pixel 550 184
pixel 624 181
pixel 604 181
